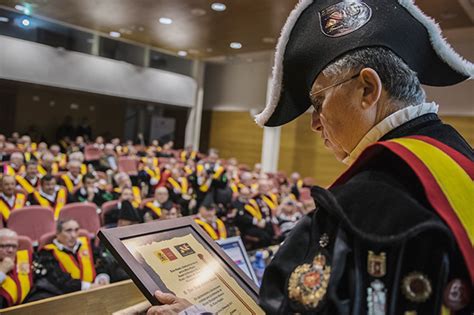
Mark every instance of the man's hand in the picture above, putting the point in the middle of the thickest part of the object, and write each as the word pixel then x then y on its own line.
pixel 6 265
pixel 171 304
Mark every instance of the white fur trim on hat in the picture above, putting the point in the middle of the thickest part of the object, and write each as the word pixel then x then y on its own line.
pixel 277 74
pixel 439 43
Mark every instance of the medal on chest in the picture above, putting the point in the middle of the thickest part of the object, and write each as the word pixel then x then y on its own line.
pixel 308 282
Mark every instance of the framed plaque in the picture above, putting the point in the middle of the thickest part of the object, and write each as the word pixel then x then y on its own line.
pixel 178 256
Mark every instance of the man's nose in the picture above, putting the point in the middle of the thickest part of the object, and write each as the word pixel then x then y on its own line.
pixel 315 122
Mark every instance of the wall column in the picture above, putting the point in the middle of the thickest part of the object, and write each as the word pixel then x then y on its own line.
pixel 193 126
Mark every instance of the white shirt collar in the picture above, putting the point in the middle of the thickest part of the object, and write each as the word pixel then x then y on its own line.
pixel 9 200
pixel 62 247
pixel 52 197
pixel 388 124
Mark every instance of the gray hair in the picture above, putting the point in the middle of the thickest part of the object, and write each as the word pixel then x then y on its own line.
pixel 401 83
pixel 7 233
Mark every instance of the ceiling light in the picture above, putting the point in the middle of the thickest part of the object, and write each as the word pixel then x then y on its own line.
pixel 115 34
pixel 25 22
pixel 235 45
pixel 182 53
pixel 268 40
pixel 4 19
pixel 165 20
pixel 219 7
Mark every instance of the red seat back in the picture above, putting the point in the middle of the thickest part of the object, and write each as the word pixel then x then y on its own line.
pixel 85 213
pixel 32 221
pixel 24 242
pixel 128 165
pixel 92 153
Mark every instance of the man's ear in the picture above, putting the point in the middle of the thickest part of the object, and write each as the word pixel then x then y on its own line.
pixel 372 86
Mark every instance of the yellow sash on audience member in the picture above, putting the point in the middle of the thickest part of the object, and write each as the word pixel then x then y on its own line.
pixel 18 282
pixel 253 208
pixel 5 208
pixel 80 267
pixel 68 182
pixel 25 184
pixel 155 209
pixel 60 201
pixel 210 230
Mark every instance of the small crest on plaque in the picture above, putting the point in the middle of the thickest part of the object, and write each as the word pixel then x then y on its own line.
pixel 308 282
pixel 184 249
pixel 376 264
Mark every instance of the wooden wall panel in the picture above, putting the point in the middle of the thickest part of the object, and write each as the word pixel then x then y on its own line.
pixel 301 150
pixel 235 134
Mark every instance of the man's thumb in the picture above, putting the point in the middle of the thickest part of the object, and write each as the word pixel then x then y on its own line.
pixel 165 298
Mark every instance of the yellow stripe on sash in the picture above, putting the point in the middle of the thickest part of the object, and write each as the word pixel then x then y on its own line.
pixel 25 184
pixel 155 209
pixel 68 182
pixel 208 228
pixel 60 202
pixel 23 260
pixel 455 183
pixel 86 260
pixel 10 287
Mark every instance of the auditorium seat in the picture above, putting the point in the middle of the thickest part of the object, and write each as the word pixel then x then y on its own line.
pixel 106 207
pixel 128 165
pixel 24 242
pixel 92 153
pixel 85 213
pixel 32 221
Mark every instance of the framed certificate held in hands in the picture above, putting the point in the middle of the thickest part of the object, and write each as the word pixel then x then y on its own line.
pixel 177 256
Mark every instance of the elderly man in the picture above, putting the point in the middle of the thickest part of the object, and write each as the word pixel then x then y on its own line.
pixel 16 277
pixel 16 165
pixel 9 198
pixel 30 181
pixel 209 221
pixel 72 179
pixel 392 235
pixel 123 180
pixel 48 165
pixel 67 264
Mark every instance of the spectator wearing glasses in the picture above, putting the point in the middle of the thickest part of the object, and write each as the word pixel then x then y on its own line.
pixel 16 274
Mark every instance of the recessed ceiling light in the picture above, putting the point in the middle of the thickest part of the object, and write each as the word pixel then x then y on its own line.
pixel 182 53
pixel 25 22
pixel 115 34
pixel 235 45
pixel 4 19
pixel 219 7
pixel 198 12
pixel 165 20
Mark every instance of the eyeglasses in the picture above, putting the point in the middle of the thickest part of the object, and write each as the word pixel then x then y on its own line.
pixel 313 94
pixel 8 246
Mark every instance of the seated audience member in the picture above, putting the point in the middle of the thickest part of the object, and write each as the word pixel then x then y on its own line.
pixel 154 209
pixel 16 165
pixel 59 157
pixel 109 161
pixel 29 182
pixel 48 165
pixel 9 198
pixel 16 275
pixel 72 179
pixel 266 199
pixel 209 221
pixel 111 217
pixel 67 264
pixel 50 195
pixel 128 215
pixel 171 213
pixel 90 192
pixel 296 183
pixel 288 216
pixel 79 156
pixel 123 180
pixel 254 223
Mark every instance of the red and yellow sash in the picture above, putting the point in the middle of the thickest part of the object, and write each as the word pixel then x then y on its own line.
pixel 5 209
pixel 137 195
pixel 447 177
pixel 25 184
pixel 19 281
pixel 9 170
pixel 218 172
pixel 81 266
pixel 54 169
pixel 221 232
pixel 60 201
pixel 155 209
pixel 156 173
pixel 154 163
pixel 182 185
pixel 253 208
pixel 83 169
pixel 68 182
pixel 271 202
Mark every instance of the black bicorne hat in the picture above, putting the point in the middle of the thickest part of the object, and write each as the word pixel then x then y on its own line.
pixel 319 31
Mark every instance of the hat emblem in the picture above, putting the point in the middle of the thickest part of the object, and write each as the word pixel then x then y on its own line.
pixel 344 17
